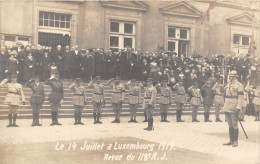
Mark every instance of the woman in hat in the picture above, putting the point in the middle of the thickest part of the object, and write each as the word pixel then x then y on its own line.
pixel 196 100
pixel 13 98
pixel 79 100
pixel 12 64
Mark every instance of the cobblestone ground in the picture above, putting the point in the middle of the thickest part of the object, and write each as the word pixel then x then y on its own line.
pixel 193 142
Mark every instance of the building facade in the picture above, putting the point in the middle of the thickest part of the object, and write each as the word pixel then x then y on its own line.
pixel 210 27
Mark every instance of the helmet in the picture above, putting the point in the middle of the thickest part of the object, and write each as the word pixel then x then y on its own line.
pixel 233 73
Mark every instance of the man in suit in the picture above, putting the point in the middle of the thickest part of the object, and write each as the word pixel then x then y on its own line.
pixel 37 98
pixel 109 64
pixel 56 97
pixel 145 70
pixel 45 66
pixel 3 60
pixel 88 66
pixel 76 63
pixel 67 56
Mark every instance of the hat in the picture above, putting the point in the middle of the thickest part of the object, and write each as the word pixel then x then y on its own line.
pixel 13 52
pixel 233 73
pixel 98 78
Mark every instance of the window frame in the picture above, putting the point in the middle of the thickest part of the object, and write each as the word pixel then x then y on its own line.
pixel 240 42
pixel 56 18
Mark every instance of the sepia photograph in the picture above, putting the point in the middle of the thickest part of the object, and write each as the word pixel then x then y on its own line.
pixel 130 82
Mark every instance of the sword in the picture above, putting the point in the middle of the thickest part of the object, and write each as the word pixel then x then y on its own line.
pixel 241 125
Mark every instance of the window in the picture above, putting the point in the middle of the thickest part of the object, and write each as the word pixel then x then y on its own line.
pixel 177 36
pixel 171 46
pixel 50 19
pixel 121 35
pixel 241 40
pixel 172 32
pixel 9 40
pixel 183 34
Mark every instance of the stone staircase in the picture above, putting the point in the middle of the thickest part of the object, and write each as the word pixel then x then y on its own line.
pixel 67 110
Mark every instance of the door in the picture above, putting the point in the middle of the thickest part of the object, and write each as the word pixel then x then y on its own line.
pixel 183 48
pixel 53 39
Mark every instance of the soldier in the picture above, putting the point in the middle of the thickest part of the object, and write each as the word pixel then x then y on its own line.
pixel 56 97
pixel 218 91
pixel 98 98
pixel 134 98
pixel 37 98
pixel 165 100
pixel 195 101
pixel 15 94
pixel 149 102
pixel 118 98
pixel 233 103
pixel 79 100
pixel 207 95
pixel 180 99
pixel 12 64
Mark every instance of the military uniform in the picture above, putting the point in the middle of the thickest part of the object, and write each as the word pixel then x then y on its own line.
pixel 78 101
pixel 55 98
pixel 165 101
pixel 233 103
pixel 149 103
pixel 180 100
pixel 118 97
pixel 218 91
pixel 133 99
pixel 98 99
pixel 207 95
pixel 256 102
pixel 36 100
pixel 13 99
pixel 196 100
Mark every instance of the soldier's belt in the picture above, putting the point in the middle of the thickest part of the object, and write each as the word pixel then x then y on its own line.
pixel 231 96
pixel 14 93
pixel 98 93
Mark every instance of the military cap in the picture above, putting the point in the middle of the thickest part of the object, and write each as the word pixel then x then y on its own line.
pixel 233 73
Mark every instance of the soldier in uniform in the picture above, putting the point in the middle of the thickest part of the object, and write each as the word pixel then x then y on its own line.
pixel 207 95
pixel 134 98
pixel 15 94
pixel 165 100
pixel 196 100
pixel 78 100
pixel 149 102
pixel 180 99
pixel 118 98
pixel 256 101
pixel 218 91
pixel 37 98
pixel 98 98
pixel 56 97
pixel 232 106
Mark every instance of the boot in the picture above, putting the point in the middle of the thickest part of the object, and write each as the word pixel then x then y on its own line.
pixel 95 118
pixel 115 121
pixel 98 118
pixel 149 124
pixel 56 119
pixel 76 118
pixel 180 120
pixel 205 117
pixel 165 117
pixel 145 117
pixel 177 116
pixel 79 119
pixel 208 117
pixel 37 119
pixel 162 115
pixel 34 118
pixel 14 121
pixel 231 136
pixel 53 119
pixel 10 120
pixel 235 143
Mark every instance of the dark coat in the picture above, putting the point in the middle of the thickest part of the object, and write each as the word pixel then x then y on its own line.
pixel 38 94
pixel 76 60
pixel 29 69
pixel 99 62
pixel 207 94
pixel 3 61
pixel 88 64
pixel 12 66
pixel 110 63
pixel 59 57
pixel 67 60
pixel 57 92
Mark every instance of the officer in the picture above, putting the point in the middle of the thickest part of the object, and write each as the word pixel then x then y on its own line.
pixel 180 99
pixel 134 98
pixel 196 100
pixel 118 98
pixel 165 100
pixel 56 97
pixel 98 98
pixel 37 98
pixel 233 104
pixel 149 102
pixel 78 100
pixel 218 91
pixel 15 94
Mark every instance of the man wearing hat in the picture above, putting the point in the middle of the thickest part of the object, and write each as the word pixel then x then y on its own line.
pixel 118 98
pixel 165 100
pixel 233 104
pixel 78 100
pixel 196 100
pixel 134 98
pixel 13 98
pixel 56 97
pixel 149 102
pixel 180 99
pixel 37 98
pixel 98 98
